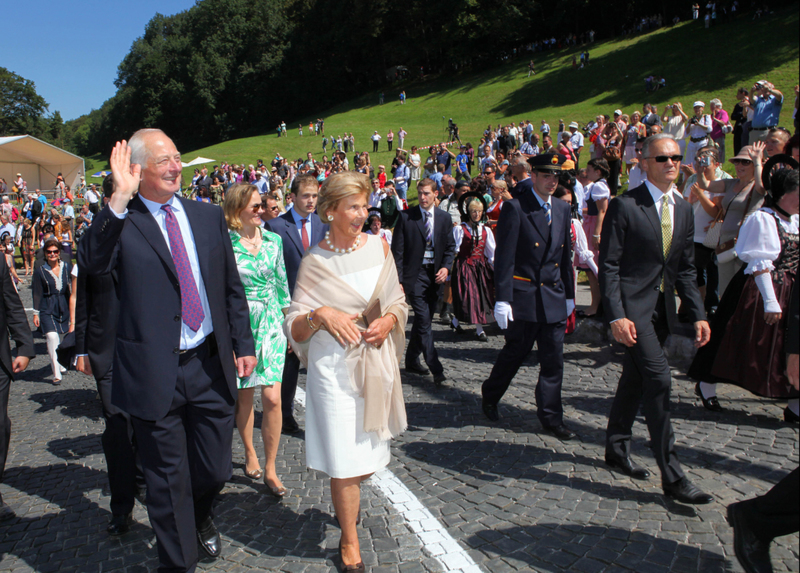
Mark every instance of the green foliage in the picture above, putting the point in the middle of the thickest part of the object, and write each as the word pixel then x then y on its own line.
pixel 21 108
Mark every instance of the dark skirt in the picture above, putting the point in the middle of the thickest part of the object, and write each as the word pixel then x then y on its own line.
pixel 744 350
pixel 51 323
pixel 473 291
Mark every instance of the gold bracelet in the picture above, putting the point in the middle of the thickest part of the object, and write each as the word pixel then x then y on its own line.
pixel 396 320
pixel 310 319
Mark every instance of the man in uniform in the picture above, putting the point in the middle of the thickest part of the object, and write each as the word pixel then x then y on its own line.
pixel 534 279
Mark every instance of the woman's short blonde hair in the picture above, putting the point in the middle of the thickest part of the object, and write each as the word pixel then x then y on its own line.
pixel 340 186
pixel 236 199
pixel 501 184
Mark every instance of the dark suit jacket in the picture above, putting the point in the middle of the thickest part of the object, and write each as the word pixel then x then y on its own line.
pixel 13 322
pixel 532 264
pixel 292 243
pixel 96 315
pixel 632 261
pixel 523 187
pixel 147 346
pixel 408 244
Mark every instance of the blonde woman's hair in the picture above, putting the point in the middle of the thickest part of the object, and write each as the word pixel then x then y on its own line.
pixel 501 184
pixel 236 199
pixel 340 186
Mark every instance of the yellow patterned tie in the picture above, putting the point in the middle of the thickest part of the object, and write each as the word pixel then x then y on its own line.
pixel 666 232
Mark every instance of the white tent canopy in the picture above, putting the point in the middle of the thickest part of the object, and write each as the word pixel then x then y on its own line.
pixel 39 163
pixel 199 161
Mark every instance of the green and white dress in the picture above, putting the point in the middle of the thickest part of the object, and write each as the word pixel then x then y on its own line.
pixel 267 292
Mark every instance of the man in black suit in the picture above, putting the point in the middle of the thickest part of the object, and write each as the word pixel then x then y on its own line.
pixel 13 322
pixel 646 252
pixel 96 313
pixel 423 247
pixel 183 334
pixel 534 278
pixel 300 227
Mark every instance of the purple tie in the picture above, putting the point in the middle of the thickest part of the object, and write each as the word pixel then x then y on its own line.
pixel 191 309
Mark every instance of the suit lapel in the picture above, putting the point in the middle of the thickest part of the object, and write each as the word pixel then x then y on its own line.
pixel 141 217
pixel 649 208
pixel 420 221
pixel 294 236
pixel 536 216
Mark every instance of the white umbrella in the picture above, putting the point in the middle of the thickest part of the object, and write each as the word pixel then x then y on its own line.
pixel 199 161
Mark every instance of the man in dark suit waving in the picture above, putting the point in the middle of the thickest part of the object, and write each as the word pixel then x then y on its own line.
pixel 423 246
pixel 534 279
pixel 183 333
pixel 300 228
pixel 646 252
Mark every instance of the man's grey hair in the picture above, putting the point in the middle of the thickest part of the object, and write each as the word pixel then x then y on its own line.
pixel 522 162
pixel 139 152
pixel 651 140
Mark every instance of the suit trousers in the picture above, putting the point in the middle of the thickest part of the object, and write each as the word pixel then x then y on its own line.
pixel 125 472
pixel 520 336
pixel 777 512
pixel 187 457
pixel 423 300
pixel 646 381
pixel 291 369
pixel 5 421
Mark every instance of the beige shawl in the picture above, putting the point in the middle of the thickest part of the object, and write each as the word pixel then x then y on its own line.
pixel 374 372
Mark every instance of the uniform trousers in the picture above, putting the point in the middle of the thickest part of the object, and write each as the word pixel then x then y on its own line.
pixel 187 456
pixel 423 299
pixel 520 336
pixel 125 473
pixel 291 369
pixel 646 381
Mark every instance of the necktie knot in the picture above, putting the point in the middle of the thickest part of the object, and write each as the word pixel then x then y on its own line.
pixel 167 208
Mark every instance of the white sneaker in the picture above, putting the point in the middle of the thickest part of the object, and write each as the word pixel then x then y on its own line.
pixel 62 368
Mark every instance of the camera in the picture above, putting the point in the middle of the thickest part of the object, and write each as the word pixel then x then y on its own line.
pixel 705 161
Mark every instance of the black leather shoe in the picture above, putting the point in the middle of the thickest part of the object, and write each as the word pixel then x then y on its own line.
pixel 209 538
pixel 490 410
pixel 627 467
pixel 439 379
pixel 686 492
pixel 141 495
pixel 752 553
pixel 120 524
pixel 6 512
pixel 290 426
pixel 561 432
pixel 482 337
pixel 456 329
pixel 709 403
pixel 417 369
pixel 790 417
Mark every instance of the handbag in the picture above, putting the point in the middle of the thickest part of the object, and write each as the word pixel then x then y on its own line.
pixel 612 153
pixel 711 239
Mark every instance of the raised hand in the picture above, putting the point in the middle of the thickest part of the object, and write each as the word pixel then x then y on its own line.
pixel 126 176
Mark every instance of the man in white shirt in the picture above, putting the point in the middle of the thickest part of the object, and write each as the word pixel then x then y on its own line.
pixel 375 140
pixel 545 129
pixel 576 140
pixel 699 127
pixel 69 210
pixel 92 199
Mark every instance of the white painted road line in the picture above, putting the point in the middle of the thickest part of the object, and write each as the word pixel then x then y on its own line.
pixel 437 543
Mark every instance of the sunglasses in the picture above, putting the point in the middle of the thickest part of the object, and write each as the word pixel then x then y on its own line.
pixel 741 161
pixel 275 208
pixel 664 158
pixel 488 172
pixel 257 208
pixel 51 252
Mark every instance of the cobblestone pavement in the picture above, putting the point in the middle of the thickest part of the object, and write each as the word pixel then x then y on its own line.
pixel 460 494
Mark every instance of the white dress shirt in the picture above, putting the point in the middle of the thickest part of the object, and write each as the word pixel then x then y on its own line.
pixel 189 338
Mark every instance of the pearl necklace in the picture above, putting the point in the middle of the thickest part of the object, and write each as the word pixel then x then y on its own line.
pixel 337 250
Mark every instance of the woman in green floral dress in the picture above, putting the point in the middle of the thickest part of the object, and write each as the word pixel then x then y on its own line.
pixel 259 257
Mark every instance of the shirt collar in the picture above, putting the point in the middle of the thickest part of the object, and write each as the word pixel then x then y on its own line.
pixel 656 193
pixel 542 202
pixel 298 218
pixel 154 207
pixel 428 210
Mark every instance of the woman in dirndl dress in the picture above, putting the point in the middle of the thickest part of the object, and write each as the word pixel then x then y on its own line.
pixel 472 280
pixel 746 346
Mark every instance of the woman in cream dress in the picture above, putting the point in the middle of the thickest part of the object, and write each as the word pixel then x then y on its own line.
pixel 354 401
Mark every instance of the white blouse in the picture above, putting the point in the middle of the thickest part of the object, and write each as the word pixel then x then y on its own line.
pixel 598 190
pixel 489 246
pixel 758 244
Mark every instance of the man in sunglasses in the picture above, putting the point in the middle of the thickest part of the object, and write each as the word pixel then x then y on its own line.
pixel 271 208
pixel 646 252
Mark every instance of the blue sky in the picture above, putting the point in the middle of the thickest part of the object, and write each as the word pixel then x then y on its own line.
pixel 71 50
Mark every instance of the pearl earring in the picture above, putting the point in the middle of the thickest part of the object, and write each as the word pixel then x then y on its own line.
pixel 330 217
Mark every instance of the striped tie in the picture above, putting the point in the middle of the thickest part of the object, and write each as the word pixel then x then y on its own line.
pixel 428 226
pixel 547 213
pixel 666 232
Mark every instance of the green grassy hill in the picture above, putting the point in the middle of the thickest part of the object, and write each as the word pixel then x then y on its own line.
pixel 697 64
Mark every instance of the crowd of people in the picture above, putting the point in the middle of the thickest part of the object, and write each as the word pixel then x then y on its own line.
pixel 317 264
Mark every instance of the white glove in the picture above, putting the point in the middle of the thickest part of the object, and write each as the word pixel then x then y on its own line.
pixel 767 290
pixel 570 305
pixel 502 314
